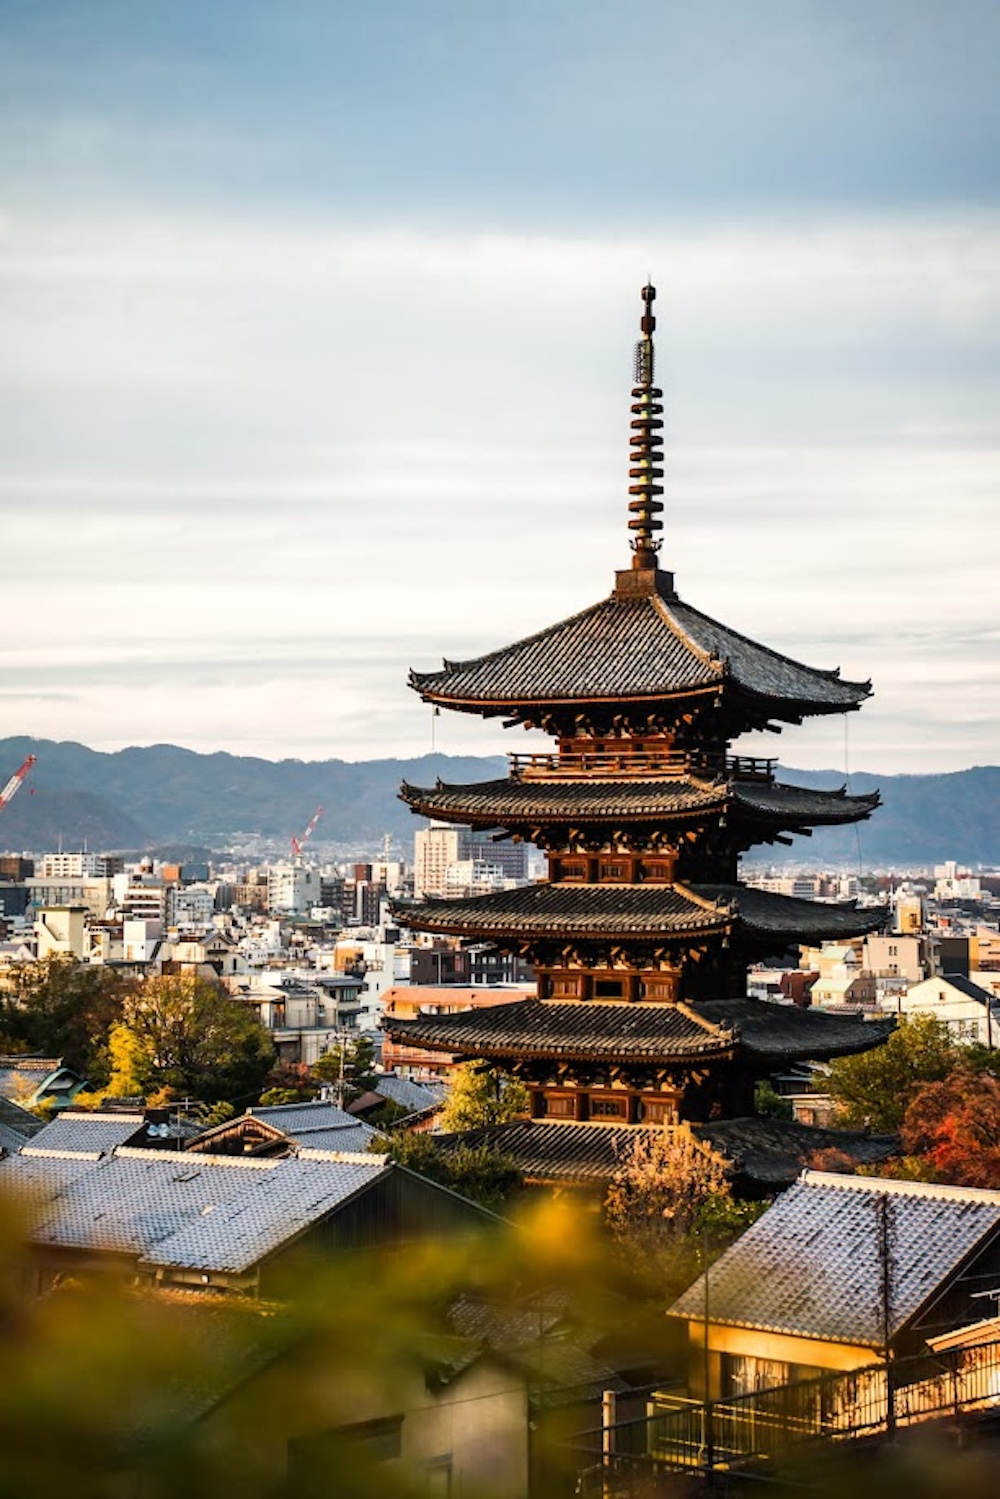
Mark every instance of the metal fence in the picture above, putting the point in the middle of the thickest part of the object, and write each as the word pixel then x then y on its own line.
pixel 678 1435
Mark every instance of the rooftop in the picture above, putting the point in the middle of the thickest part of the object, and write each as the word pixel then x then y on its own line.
pixel 637 913
pixel 628 649
pixel 810 1266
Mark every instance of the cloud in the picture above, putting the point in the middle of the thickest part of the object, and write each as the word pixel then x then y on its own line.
pixel 257 471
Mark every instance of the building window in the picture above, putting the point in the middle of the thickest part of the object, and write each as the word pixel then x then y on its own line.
pixel 608 1108
pixel 608 988
pixel 560 1106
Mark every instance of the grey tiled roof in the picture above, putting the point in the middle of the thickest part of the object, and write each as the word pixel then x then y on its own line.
pixel 321 1126
pixel 86 1134
pixel 786 918
pixel 623 1032
pixel 546 1150
pixel 409 1095
pixel 637 912
pixel 586 800
pixel 568 910
pixel 17 1125
pixel 200 1212
pixel 545 1028
pixel 773 1152
pixel 786 1032
pixel 627 648
pixel 809 1266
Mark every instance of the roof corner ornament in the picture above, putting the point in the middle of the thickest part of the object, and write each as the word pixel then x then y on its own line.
pixel 646 444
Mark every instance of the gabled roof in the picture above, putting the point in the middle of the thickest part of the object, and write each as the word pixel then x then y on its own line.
pixel 85 1134
pixel 197 1212
pixel 17 1125
pixel 634 649
pixel 582 801
pixel 638 913
pixel 268 1131
pixel 810 1266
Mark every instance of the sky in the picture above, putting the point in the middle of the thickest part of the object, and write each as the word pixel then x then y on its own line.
pixel 318 325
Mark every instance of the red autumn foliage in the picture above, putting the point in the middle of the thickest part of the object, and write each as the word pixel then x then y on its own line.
pixel 955 1126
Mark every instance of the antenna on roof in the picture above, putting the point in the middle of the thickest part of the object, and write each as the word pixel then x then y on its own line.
pixel 646 444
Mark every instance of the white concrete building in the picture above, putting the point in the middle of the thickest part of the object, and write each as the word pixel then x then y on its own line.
pixel 970 1013
pixel 293 888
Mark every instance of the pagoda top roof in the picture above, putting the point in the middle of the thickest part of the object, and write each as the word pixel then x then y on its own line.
pixel 585 800
pixel 637 913
pixel 640 645
pixel 619 1032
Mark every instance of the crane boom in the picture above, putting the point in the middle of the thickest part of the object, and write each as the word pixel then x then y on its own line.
pixel 298 842
pixel 13 786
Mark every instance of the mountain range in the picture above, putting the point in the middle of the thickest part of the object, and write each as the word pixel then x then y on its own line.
pixel 163 795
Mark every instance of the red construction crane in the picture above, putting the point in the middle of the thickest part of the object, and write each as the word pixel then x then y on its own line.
pixel 13 786
pixel 298 842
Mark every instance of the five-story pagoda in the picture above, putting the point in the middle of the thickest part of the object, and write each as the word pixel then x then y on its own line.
pixel 642 934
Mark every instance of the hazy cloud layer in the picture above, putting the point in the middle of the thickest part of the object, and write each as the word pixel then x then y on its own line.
pixel 318 327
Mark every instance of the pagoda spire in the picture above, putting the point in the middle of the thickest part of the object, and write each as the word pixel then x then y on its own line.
pixel 646 445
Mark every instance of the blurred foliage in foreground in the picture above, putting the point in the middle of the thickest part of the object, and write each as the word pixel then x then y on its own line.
pixel 108 1390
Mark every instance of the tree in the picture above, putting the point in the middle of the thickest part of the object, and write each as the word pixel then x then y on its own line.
pixel 875 1089
pixel 192 1038
pixel 954 1126
pixel 351 1063
pixel 475 1171
pixel 668 1202
pixel 663 1184
pixel 67 1009
pixel 480 1095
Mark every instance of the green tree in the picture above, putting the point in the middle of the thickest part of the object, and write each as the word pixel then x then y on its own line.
pixel 351 1061
pixel 875 1089
pixel 67 1009
pixel 480 1095
pixel 475 1171
pixel 193 1039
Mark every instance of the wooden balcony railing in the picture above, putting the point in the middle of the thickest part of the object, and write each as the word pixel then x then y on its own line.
pixel 647 762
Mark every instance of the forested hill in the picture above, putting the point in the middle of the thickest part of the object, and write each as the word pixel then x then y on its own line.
pixel 138 798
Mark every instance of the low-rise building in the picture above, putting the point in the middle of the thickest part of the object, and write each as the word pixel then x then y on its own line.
pixel 971 1014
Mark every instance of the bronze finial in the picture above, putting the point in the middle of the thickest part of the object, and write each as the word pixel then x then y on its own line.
pixel 646 443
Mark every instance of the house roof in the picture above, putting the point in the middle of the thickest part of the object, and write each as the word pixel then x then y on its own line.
pixel 409 1095
pixel 584 800
pixel 637 913
pixel 197 1212
pixel 964 986
pixel 628 648
pixel 90 1135
pixel 810 1267
pixel 27 1077
pixel 17 1125
pixel 320 1125
pixel 637 1033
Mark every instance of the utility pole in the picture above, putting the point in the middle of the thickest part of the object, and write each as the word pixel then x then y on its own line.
pixel 885 1242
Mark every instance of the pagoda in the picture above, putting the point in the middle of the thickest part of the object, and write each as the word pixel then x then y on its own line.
pixel 642 933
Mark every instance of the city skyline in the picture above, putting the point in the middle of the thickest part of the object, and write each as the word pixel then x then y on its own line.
pixel 319 342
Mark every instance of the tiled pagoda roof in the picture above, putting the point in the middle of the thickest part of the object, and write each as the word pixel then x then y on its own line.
pixel 586 800
pixel 623 1033
pixel 625 648
pixel 543 1028
pixel 766 1152
pixel 636 913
